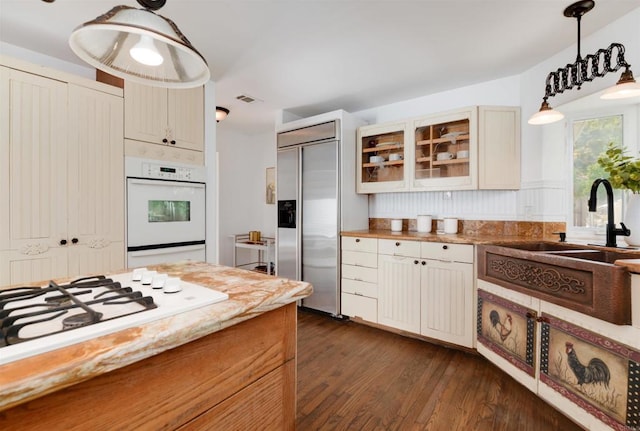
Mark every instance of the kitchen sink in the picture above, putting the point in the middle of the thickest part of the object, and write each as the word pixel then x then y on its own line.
pixel 581 278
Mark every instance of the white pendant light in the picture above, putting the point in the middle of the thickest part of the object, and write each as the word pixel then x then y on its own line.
pixel 626 87
pixel 546 115
pixel 140 46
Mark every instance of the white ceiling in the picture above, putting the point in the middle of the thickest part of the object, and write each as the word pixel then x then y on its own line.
pixel 314 56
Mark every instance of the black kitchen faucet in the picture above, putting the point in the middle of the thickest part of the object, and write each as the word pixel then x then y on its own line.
pixel 612 232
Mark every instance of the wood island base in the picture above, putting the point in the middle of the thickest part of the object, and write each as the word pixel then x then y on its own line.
pixel 240 378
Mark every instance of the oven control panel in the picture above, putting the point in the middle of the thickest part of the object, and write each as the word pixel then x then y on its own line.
pixel 165 172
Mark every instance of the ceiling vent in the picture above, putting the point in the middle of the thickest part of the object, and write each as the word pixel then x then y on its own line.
pixel 246 98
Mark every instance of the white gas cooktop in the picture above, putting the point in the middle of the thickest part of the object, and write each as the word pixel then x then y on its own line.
pixel 189 297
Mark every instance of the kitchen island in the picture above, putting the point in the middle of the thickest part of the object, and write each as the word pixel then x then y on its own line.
pixel 230 365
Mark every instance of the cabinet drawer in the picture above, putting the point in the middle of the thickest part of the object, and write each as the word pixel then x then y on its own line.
pixel 357 258
pixel 369 245
pixel 360 273
pixel 360 306
pixel 448 252
pixel 399 247
pixel 360 288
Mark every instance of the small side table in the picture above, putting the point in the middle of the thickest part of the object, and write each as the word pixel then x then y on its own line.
pixel 264 247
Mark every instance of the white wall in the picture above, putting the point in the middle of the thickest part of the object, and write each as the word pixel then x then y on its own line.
pixel 243 160
pixel 544 159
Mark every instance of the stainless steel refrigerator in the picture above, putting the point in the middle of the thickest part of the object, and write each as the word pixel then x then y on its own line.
pixel 315 188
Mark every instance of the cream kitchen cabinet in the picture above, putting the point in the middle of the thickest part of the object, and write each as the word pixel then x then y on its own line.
pixel 61 162
pixel 445 148
pixel 399 284
pixel 359 281
pixel 420 287
pixel 466 149
pixel 447 292
pixel 381 157
pixel 173 118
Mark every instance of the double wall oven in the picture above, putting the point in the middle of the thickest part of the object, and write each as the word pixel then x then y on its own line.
pixel 165 212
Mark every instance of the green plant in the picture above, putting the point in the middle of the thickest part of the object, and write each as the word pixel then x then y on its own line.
pixel 624 171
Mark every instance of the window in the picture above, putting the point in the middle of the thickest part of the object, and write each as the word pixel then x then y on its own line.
pixel 588 137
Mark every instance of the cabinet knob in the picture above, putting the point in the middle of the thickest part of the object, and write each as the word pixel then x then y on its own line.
pixel 173 142
pixel 357 239
pixel 424 262
pixel 397 244
pixel 63 242
pixel 445 247
pixel 165 140
pixel 74 240
pixel 415 262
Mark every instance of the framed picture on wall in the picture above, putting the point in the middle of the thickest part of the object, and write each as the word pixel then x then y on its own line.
pixel 270 192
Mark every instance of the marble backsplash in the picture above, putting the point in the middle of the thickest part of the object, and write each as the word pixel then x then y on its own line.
pixel 524 229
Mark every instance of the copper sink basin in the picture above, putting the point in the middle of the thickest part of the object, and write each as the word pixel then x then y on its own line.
pixel 581 278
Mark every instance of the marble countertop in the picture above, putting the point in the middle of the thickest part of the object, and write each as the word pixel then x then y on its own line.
pixel 633 263
pixel 250 294
pixel 431 237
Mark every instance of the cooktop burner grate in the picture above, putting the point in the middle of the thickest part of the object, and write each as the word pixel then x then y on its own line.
pixel 28 313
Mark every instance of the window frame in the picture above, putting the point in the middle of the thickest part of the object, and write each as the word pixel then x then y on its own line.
pixel 630 118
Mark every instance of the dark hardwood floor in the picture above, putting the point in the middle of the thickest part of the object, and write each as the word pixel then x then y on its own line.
pixel 355 377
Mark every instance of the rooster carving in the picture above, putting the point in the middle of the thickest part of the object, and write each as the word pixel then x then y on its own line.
pixel 503 328
pixel 595 372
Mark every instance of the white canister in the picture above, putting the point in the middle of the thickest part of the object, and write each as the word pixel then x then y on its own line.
pixel 450 225
pixel 424 223
pixel 396 225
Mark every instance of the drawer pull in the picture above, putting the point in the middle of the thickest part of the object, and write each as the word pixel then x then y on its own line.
pixel 424 262
pixel 415 262
pixel 445 247
pixel 397 244
pixel 357 239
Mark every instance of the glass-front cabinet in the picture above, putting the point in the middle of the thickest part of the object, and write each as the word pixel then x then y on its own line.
pixel 470 148
pixel 445 151
pixel 381 158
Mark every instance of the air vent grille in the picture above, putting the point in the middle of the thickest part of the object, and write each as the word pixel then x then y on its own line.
pixel 245 98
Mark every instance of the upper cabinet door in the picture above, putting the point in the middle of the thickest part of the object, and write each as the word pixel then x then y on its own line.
pixel 33 160
pixel 186 118
pixel 445 151
pixel 499 149
pixel 145 111
pixel 381 158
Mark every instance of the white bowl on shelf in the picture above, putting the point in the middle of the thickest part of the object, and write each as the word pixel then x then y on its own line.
pixel 452 135
pixel 395 156
pixel 376 159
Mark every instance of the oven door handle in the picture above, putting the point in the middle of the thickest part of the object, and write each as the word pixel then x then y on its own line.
pixel 167 250
pixel 171 183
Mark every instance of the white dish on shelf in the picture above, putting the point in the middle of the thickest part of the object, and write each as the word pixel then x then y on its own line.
pixel 386 144
pixel 452 135
pixel 376 159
